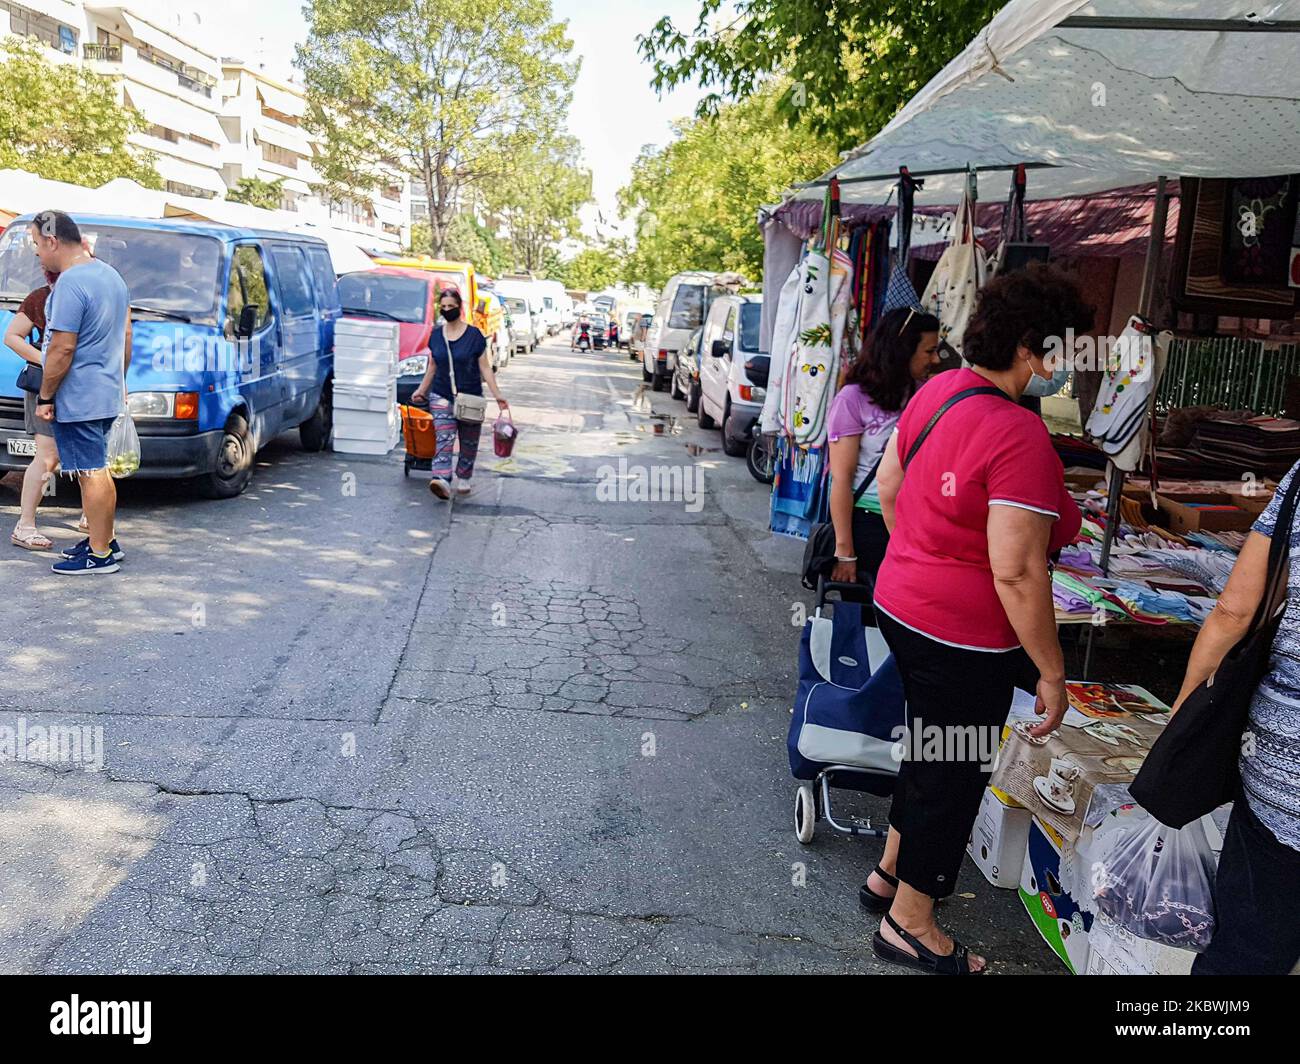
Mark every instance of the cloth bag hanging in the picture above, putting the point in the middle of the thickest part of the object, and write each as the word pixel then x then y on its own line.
pixel 900 292
pixel 960 274
pixel 814 366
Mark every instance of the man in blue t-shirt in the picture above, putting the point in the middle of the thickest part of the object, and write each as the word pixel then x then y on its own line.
pixel 87 350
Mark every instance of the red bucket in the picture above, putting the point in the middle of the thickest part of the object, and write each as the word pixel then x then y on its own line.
pixel 504 435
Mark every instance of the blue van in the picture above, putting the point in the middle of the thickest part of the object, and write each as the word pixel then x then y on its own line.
pixel 233 342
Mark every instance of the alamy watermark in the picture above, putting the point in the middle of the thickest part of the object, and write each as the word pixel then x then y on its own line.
pixel 55 744
pixel 657 483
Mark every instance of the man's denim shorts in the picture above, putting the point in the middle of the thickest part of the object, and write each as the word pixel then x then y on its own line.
pixel 83 445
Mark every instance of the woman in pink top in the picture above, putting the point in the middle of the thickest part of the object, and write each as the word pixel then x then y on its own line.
pixel 964 595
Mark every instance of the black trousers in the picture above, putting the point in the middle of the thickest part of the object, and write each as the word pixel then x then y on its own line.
pixel 1257 927
pixel 870 538
pixel 965 695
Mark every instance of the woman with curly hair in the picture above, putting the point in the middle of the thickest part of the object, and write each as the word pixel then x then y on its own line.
pixel 900 353
pixel 964 595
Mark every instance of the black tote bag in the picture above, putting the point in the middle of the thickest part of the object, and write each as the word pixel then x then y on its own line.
pixel 1192 767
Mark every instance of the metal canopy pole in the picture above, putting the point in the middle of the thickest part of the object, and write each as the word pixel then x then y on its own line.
pixel 1150 277
pixel 893 175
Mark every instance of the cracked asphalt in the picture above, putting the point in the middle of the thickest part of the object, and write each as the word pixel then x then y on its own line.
pixel 348 728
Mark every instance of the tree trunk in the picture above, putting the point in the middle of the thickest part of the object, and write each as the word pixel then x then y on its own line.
pixel 426 174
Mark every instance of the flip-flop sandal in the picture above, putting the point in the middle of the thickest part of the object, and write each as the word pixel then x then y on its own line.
pixel 873 902
pixel 926 960
pixel 27 537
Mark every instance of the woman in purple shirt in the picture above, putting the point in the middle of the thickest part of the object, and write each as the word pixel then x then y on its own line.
pixel 901 351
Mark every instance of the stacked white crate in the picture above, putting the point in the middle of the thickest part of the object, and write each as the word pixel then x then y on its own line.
pixel 366 420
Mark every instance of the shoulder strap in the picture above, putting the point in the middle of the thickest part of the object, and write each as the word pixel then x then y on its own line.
pixel 952 401
pixel 451 362
pixel 1279 558
pixel 866 481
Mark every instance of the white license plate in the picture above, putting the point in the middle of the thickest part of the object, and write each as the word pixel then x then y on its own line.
pixel 22 448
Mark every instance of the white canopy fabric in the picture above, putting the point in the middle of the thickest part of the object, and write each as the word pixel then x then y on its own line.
pixel 287 103
pixel 175 114
pixel 1110 103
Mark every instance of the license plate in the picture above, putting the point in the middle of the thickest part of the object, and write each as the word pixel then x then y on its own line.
pixel 22 448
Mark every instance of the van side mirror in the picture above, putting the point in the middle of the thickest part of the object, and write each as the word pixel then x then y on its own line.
pixel 721 349
pixel 247 321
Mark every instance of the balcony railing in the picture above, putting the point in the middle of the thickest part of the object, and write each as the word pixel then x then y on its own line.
pixel 194 86
pixel 107 53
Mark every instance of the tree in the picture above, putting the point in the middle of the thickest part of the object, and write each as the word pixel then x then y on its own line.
pixel 851 64
pixel 431 87
pixel 65 122
pixel 696 200
pixel 256 192
pixel 591 270
pixel 539 197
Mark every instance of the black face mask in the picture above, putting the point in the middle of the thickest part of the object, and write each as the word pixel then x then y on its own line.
pixel 451 313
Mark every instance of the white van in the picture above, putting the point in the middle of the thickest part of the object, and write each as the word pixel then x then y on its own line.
pixel 561 301
pixel 681 310
pixel 529 293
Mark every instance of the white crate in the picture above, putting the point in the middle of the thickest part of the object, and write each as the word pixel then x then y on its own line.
pixel 344 445
pixel 350 373
pixel 365 425
pixel 367 330
pixel 362 357
pixel 369 397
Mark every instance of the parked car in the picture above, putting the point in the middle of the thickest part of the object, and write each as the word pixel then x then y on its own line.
pixel 686 373
pixel 406 296
pixel 682 306
pixel 499 318
pixel 542 321
pixel 637 340
pixel 523 333
pixel 728 398
pixel 233 342
pixel 627 327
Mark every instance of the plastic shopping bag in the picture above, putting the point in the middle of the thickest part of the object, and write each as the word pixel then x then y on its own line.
pixel 504 435
pixel 1156 881
pixel 123 447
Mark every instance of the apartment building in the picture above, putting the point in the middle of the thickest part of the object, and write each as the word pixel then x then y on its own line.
pixel 262 119
pixel 211 121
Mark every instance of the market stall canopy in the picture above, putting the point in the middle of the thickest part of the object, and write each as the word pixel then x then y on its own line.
pixel 1097 96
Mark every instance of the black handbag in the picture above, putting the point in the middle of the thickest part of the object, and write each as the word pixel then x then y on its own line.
pixel 819 554
pixel 1192 768
pixel 30 378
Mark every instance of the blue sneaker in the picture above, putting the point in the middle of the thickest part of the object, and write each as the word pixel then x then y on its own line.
pixel 83 547
pixel 85 563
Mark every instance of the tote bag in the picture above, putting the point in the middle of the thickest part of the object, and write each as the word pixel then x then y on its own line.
pixel 1192 767
pixel 958 277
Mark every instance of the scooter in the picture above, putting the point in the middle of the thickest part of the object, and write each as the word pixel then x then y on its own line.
pixel 584 338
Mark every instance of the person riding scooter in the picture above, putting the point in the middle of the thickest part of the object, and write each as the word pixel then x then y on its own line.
pixel 581 339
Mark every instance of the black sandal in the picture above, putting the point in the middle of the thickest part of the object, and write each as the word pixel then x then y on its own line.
pixel 926 960
pixel 873 902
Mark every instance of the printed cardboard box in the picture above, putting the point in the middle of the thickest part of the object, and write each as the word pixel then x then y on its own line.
pixel 1114 951
pixel 998 840
pixel 1104 737
pixel 1053 910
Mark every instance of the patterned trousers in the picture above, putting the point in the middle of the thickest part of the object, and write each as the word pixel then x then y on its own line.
pixel 446 430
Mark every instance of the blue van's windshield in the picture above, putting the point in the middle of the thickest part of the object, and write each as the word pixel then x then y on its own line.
pixel 171 273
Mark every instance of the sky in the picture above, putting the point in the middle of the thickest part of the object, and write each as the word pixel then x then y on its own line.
pixel 614 112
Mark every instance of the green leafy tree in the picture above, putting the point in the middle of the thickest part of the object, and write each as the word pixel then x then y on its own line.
pixel 850 64
pixel 431 87
pixel 540 194
pixel 257 192
pixel 696 200
pixel 592 269
pixel 65 122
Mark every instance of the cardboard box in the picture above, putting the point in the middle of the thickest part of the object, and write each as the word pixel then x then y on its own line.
pixel 1180 513
pixel 998 840
pixel 1114 951
pixel 1054 912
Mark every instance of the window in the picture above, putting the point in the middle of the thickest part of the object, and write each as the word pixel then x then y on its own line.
pixel 247 288
pixel 24 22
pixel 750 316
pixel 688 307
pixel 322 272
pixel 291 274
pixel 729 330
pixel 384 295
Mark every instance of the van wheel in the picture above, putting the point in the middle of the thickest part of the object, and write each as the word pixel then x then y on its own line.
pixel 234 465
pixel 645 373
pixel 658 382
pixel 314 433
pixel 676 391
pixel 706 422
pixel 693 398
pixel 732 446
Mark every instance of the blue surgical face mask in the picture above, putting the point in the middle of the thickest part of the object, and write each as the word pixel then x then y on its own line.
pixel 1040 388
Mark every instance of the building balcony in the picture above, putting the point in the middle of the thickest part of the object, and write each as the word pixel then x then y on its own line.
pixel 102 53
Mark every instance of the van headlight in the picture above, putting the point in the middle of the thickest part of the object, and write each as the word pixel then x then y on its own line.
pixel 151 404
pixel 415 366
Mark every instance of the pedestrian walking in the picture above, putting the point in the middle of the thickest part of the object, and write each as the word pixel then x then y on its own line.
pixel 975 500
pixel 87 352
pixel 23 336
pixel 900 354
pixel 459 366
pixel 1257 930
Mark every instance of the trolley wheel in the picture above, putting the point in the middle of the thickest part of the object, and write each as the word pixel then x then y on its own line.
pixel 406 466
pixel 805 814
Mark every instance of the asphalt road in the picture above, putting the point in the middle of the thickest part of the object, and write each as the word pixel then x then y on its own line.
pixel 348 728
